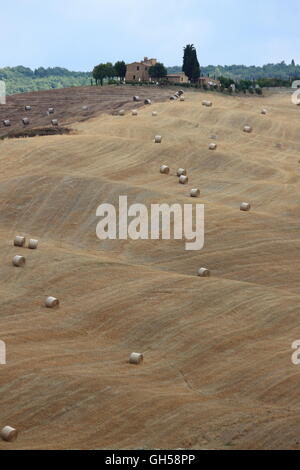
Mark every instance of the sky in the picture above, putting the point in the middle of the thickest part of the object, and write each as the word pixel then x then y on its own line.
pixel 78 34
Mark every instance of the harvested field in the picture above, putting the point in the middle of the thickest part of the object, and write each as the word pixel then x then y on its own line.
pixel 217 370
pixel 72 104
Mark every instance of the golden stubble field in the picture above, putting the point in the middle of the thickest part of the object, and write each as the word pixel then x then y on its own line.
pixel 217 372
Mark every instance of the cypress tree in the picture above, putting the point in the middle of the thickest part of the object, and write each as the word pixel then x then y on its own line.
pixel 191 65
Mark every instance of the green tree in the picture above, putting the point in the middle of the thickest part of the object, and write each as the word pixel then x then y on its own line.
pixel 158 71
pixel 99 73
pixel 121 69
pixel 110 70
pixel 191 65
pixel 103 71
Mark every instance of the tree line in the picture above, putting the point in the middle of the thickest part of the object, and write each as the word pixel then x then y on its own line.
pixel 41 72
pixel 109 71
pixel 22 79
pixel 280 71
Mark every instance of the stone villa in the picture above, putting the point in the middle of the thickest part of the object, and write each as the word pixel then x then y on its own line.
pixel 139 71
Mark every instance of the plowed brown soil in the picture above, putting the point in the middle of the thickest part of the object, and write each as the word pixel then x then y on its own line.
pixel 70 105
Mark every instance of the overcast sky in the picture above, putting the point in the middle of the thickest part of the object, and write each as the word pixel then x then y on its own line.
pixel 77 34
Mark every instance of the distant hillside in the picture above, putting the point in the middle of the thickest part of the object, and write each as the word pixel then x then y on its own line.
pixel 22 79
pixel 281 70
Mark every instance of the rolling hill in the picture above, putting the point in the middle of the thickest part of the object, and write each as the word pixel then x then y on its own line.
pixel 217 372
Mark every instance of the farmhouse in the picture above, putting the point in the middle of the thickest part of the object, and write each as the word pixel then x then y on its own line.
pixel 139 71
pixel 177 77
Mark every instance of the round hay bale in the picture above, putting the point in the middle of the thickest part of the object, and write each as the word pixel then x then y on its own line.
pixel 51 110
pixel 183 179
pixel 203 272
pixel 195 192
pixel 245 206
pixel 136 98
pixel 207 103
pixel 33 244
pixel 154 113
pixel 181 171
pixel 147 101
pixel 19 241
pixel 158 139
pixel 264 111
pixel 122 112
pixel 54 122
pixel 51 302
pixel 25 121
pixel 7 122
pixel 212 146
pixel 27 108
pixel 8 434
pixel 134 112
pixel 164 169
pixel 136 358
pixel 182 98
pixel 248 129
pixel 19 261
pixel 85 108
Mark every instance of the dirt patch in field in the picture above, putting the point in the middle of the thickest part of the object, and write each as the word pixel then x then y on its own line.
pixel 44 131
pixel 73 104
